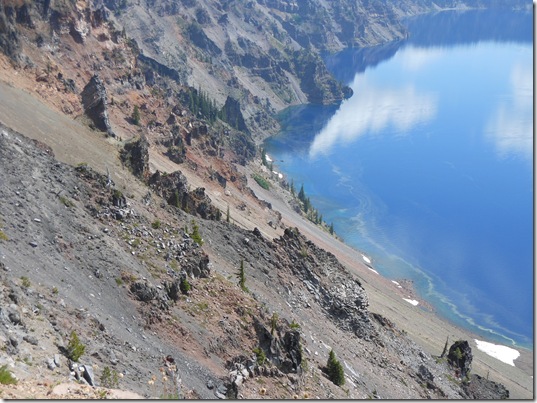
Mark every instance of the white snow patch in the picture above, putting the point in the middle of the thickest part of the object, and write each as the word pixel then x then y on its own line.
pixel 502 353
pixel 411 301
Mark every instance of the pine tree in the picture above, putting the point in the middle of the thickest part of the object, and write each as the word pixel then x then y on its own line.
pixel 302 194
pixel 332 229
pixel 136 115
pixel 242 277
pixel 335 369
pixel 195 235
pixel 227 214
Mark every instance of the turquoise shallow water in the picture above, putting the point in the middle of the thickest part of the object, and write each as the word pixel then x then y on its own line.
pixel 428 166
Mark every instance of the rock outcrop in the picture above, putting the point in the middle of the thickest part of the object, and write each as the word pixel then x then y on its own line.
pixel 340 296
pixel 135 155
pixel 460 357
pixel 95 104
pixel 174 188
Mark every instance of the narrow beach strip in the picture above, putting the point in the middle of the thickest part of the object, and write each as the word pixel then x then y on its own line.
pixel 502 353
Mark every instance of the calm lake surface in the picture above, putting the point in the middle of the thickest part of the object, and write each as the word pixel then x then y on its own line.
pixel 427 168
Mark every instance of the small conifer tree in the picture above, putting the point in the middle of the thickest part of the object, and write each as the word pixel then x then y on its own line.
pixel 335 369
pixel 195 235
pixel 136 115
pixel 75 348
pixel 242 277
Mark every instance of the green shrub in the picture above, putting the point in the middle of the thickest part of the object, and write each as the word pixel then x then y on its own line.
pixel 109 378
pixel 66 202
pixel 261 356
pixel 156 224
pixel 6 377
pixel 25 282
pixel 195 235
pixel 335 369
pixel 261 181
pixel 184 286
pixel 3 236
pixel 273 323
pixel 242 277
pixel 136 115
pixel 293 325
pixel 75 348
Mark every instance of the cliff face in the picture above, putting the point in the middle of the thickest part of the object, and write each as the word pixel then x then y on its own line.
pixel 263 53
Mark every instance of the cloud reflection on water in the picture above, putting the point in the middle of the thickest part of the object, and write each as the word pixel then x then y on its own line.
pixel 372 109
pixel 511 125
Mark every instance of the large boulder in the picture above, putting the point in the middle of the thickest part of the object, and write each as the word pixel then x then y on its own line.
pixel 174 188
pixel 135 155
pixel 460 357
pixel 96 105
pixel 143 291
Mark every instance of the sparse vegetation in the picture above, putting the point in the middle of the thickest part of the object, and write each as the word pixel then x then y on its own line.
pixel 6 377
pixel 3 236
pixel 195 234
pixel 136 115
pixel 184 286
pixel 109 378
pixel 156 224
pixel 261 181
pixel 294 326
pixel 261 356
pixel 75 349
pixel 242 277
pixel 273 323
pixel 335 369
pixel 66 201
pixel 25 282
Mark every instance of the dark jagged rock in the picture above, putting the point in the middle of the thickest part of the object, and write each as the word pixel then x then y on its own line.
pixel 233 114
pixel 198 36
pixel 135 155
pixel 150 66
pixel 285 352
pixel 10 42
pixel 95 104
pixel 460 357
pixel 143 291
pixel 174 188
pixel 342 298
pixel 291 344
pixel 118 199
pixel 483 389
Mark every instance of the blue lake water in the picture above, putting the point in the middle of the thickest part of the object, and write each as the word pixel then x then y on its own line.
pixel 428 167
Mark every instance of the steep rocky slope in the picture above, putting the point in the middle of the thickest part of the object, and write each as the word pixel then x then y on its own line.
pixel 78 255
